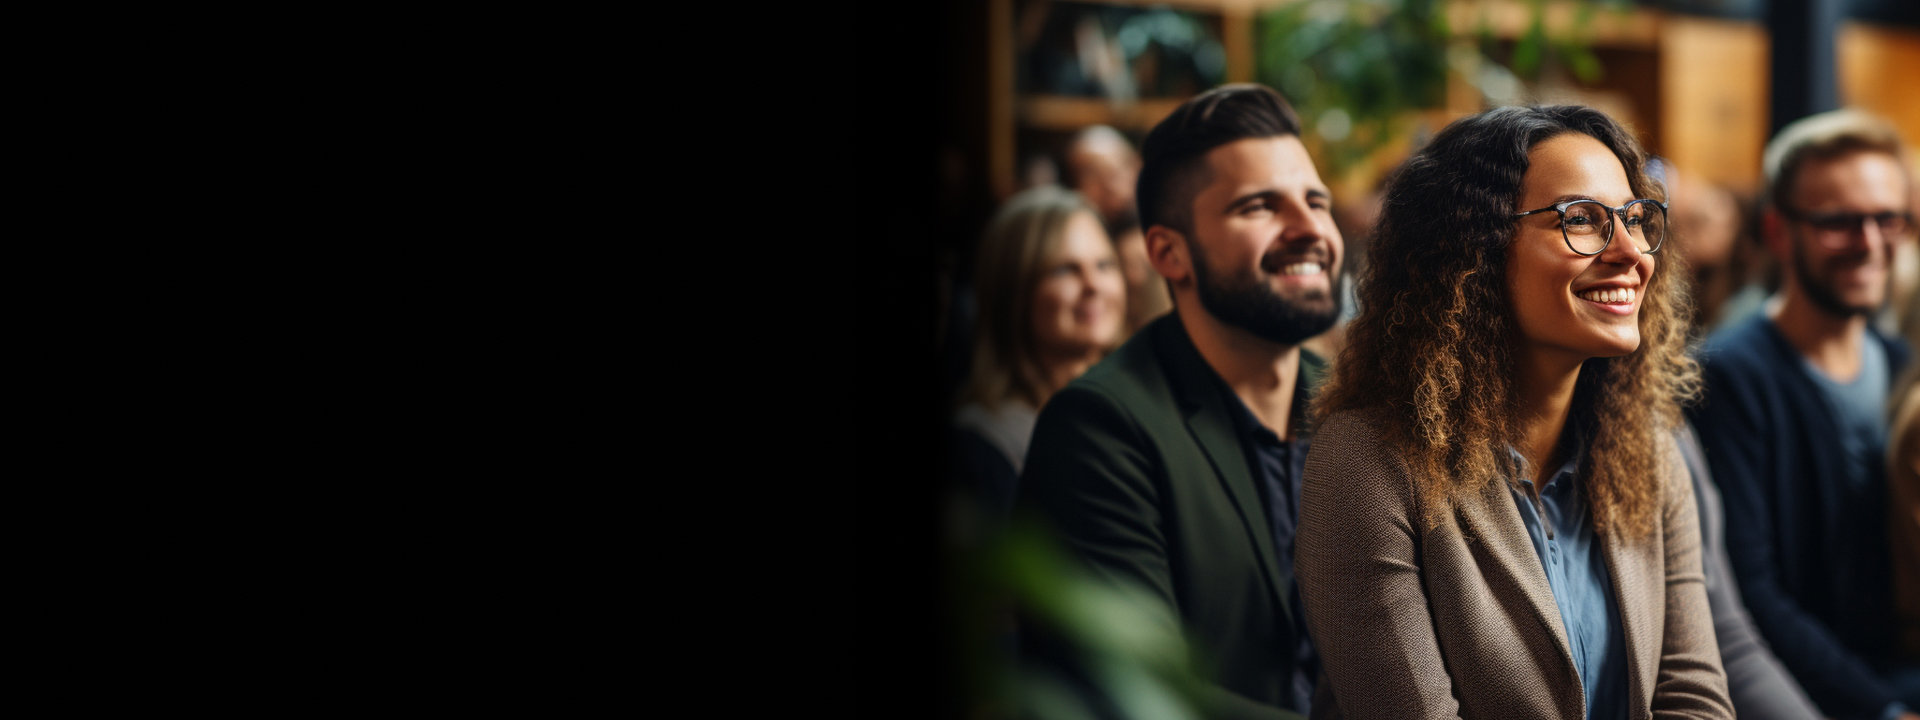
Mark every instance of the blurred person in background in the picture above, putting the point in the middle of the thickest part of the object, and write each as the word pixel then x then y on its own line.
pixel 1707 233
pixel 1051 304
pixel 1103 166
pixel 1750 277
pixel 1757 682
pixel 1496 522
pixel 1172 468
pixel 1903 488
pixel 1355 220
pixel 1147 297
pixel 1706 226
pixel 1794 417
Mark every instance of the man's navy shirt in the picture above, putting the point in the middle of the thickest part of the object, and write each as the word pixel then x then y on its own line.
pixel 1277 466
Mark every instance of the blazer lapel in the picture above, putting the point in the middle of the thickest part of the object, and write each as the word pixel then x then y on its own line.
pixel 1493 519
pixel 1634 570
pixel 1205 412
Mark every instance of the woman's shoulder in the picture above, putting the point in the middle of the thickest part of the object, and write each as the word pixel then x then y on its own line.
pixel 1353 445
pixel 1353 473
pixel 1007 426
pixel 1362 426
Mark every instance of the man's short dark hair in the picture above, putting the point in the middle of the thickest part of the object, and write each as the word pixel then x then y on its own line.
pixel 1174 156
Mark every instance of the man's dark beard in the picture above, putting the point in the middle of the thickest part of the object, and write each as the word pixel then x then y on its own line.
pixel 1819 292
pixel 1244 302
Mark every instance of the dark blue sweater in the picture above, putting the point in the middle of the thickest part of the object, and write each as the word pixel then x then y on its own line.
pixel 1809 552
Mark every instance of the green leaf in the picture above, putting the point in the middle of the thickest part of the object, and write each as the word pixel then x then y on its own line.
pixel 1585 64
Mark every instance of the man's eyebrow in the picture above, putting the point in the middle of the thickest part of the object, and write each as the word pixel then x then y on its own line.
pixel 1252 196
pixel 1312 194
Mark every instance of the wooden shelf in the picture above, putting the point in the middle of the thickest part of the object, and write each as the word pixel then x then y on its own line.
pixel 1509 19
pixel 1064 113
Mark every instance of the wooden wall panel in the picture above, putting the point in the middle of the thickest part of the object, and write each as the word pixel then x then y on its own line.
pixel 1880 73
pixel 1713 87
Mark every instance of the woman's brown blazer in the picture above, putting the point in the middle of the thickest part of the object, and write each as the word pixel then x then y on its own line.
pixel 1459 621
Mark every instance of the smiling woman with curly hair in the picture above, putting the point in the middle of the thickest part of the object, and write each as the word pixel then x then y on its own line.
pixel 1494 521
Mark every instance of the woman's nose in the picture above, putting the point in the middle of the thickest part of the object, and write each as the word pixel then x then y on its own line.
pixel 1624 247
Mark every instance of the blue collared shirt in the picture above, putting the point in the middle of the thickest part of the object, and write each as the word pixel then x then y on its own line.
pixel 1576 568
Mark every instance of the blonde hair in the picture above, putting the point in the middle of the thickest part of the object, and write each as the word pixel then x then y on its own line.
pixel 1825 136
pixel 1013 256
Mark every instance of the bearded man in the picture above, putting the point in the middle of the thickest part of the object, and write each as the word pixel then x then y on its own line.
pixel 1173 467
pixel 1794 419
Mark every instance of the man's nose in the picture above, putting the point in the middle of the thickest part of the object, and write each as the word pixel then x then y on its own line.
pixel 1302 224
pixel 1865 235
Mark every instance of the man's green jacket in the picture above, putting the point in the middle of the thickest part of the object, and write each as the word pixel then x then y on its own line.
pixel 1138 467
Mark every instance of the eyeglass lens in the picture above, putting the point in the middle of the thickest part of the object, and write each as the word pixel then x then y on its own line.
pixel 1587 230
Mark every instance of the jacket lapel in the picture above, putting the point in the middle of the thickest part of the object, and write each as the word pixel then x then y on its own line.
pixel 1206 415
pixel 1634 571
pixel 1491 517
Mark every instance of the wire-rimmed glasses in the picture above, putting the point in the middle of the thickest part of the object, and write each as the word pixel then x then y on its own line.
pixel 1586 224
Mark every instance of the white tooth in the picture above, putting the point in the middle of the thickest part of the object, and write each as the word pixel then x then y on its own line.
pixel 1629 293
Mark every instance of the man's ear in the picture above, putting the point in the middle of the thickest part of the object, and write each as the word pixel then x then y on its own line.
pixel 1168 252
pixel 1773 230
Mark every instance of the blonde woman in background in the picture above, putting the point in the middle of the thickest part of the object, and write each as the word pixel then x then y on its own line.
pixel 1903 484
pixel 1052 302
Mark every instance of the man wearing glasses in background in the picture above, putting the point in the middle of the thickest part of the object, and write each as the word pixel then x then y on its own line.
pixel 1794 420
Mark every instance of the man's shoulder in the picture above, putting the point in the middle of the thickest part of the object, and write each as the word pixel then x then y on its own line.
pixel 1750 348
pixel 1898 352
pixel 1737 341
pixel 1135 374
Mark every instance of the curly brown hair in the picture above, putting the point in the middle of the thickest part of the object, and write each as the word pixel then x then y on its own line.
pixel 1431 350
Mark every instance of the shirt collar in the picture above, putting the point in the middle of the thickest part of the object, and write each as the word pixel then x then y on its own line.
pixel 1567 469
pixel 1248 424
pixel 1244 420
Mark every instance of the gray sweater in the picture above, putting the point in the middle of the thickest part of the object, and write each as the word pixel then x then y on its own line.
pixel 1760 686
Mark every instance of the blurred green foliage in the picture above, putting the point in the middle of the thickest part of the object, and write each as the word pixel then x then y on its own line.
pixel 1355 68
pixel 1124 653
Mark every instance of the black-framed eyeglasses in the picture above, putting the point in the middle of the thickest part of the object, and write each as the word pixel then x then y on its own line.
pixel 1835 230
pixel 1585 224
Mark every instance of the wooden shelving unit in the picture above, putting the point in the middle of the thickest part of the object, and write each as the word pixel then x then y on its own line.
pixel 1013 112
pixel 1694 88
pixel 1066 114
